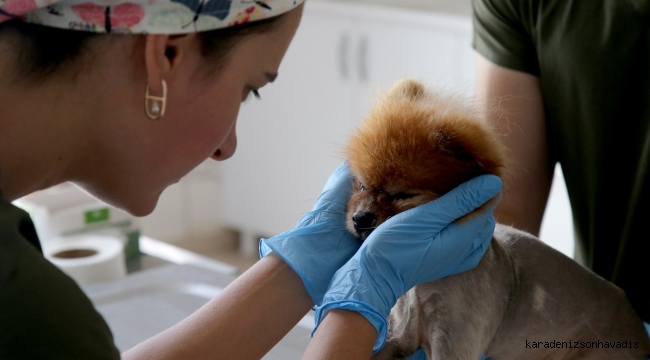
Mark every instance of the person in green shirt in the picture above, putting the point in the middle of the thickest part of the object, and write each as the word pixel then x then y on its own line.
pixel 125 98
pixel 574 79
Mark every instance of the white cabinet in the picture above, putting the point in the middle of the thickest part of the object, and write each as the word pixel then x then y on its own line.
pixel 435 49
pixel 188 213
pixel 287 142
pixel 291 140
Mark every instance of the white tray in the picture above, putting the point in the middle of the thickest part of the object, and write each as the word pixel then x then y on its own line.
pixel 147 302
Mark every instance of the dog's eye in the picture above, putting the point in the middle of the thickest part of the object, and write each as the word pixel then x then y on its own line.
pixel 361 187
pixel 401 196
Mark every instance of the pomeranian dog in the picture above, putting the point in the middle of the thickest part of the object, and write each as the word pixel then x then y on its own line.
pixel 414 148
pixel 524 300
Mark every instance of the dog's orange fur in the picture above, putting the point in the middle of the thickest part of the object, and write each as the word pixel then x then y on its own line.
pixel 415 146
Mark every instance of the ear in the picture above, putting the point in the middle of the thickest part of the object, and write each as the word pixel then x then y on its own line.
pixel 162 55
pixel 473 145
pixel 408 89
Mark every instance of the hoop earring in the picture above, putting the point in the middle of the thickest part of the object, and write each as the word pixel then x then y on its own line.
pixel 154 106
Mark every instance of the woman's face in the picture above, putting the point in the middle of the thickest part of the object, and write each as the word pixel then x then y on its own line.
pixel 142 157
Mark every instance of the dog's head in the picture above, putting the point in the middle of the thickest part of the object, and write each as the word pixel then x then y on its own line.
pixel 414 147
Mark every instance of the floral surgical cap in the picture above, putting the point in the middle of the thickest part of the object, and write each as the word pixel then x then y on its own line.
pixel 143 16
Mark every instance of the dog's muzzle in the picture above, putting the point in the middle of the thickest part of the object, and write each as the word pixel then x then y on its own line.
pixel 364 223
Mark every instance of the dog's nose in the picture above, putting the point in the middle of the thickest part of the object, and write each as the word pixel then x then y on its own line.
pixel 363 219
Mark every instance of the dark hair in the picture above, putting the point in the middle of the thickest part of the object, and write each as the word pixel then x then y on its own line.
pixel 42 51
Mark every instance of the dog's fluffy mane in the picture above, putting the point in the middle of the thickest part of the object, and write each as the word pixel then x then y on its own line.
pixel 419 139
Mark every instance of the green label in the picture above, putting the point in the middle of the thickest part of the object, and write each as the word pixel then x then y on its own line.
pixel 98 215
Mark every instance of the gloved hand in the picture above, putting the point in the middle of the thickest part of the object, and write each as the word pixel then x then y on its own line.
pixel 416 246
pixel 320 243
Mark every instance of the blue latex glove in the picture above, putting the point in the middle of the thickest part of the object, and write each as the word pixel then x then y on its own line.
pixel 320 243
pixel 416 246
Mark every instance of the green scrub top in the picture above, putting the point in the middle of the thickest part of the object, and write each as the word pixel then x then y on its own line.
pixel 43 312
pixel 593 61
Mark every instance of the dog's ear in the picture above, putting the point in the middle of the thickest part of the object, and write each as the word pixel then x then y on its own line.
pixel 407 88
pixel 473 144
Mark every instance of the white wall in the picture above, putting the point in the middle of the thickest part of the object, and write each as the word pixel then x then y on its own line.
pixel 192 210
pixel 557 225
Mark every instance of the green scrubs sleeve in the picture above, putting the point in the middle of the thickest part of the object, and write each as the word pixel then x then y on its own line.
pixel 504 33
pixel 43 312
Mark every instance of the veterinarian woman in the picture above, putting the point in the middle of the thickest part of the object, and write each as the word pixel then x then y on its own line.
pixel 575 79
pixel 124 116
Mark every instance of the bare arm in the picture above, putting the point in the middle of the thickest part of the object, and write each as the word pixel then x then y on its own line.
pixel 530 170
pixel 243 322
pixel 342 335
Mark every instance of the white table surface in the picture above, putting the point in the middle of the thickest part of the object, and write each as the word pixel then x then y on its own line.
pixel 150 300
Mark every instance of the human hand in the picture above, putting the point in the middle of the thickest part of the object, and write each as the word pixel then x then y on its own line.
pixel 419 245
pixel 320 243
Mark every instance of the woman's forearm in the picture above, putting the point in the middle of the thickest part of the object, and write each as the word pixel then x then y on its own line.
pixel 342 335
pixel 243 322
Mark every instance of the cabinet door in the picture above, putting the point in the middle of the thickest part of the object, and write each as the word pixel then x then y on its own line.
pixel 394 44
pixel 290 141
